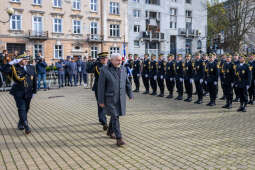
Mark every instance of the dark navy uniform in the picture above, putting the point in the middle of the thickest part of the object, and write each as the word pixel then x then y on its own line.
pixel 221 65
pixel 243 74
pixel 179 78
pixel 252 88
pixel 188 79
pixel 129 65
pixel 153 71
pixel 199 74
pixel 101 115
pixel 136 74
pixel 205 86
pixel 161 76
pixel 145 75
pixel 25 85
pixel 170 77
pixel 228 80
pixel 236 65
pixel 211 70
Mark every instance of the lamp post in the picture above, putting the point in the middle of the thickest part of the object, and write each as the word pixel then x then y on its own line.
pixel 10 12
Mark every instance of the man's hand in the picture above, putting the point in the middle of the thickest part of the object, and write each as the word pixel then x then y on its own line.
pixel 131 99
pixel 102 105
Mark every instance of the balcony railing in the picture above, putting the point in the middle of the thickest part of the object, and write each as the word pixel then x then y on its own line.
pixel 188 32
pixel 94 38
pixel 40 35
pixel 156 36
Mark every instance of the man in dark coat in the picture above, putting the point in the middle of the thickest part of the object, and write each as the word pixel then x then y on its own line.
pixel 74 70
pixel 188 77
pixel 252 88
pixel 67 69
pixel 102 61
pixel 79 70
pixel 61 74
pixel 113 86
pixel 137 72
pixel 170 75
pixel 145 73
pixel 179 76
pixel 23 89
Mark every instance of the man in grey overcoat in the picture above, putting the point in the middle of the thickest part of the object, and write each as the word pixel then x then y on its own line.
pixel 113 85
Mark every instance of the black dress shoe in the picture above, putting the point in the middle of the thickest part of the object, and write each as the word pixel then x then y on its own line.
pixel 120 142
pixel 105 127
pixel 199 102
pixel 236 100
pixel 178 98
pixel 188 100
pixel 209 104
pixel 20 126
pixel 229 106
pixel 154 94
pixel 196 102
pixel 244 109
pixel 161 95
pixel 225 106
pixel 212 104
pixel 240 109
pixel 170 96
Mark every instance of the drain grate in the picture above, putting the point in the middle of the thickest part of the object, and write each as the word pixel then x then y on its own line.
pixel 52 97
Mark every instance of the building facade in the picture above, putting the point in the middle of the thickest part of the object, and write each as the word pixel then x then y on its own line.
pixel 167 26
pixel 60 28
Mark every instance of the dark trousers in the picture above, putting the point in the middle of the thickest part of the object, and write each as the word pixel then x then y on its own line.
pixel 79 77
pixel 223 86
pixel 236 90
pixel 153 84
pixel 243 92
pixel 85 78
pixel 252 90
pixel 170 85
pixel 179 86
pixel 188 87
pixel 213 90
pixel 228 91
pixel 67 79
pixel 101 115
pixel 146 82
pixel 161 84
pixel 114 127
pixel 60 79
pixel 23 105
pixel 199 89
pixel 137 82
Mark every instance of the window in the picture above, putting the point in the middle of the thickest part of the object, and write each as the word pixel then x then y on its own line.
pixel 173 0
pixel 94 51
pixel 114 8
pixel 16 22
pixel 57 3
pixel 37 26
pixel 37 2
pixel 136 13
pixel 57 25
pixel 77 4
pixel 15 0
pixel 58 52
pixel 199 44
pixel 136 0
pixel 115 30
pixel 136 28
pixel 38 48
pixel 114 50
pixel 188 14
pixel 136 43
pixel 76 26
pixel 93 5
pixel 188 1
pixel 93 28
pixel 152 2
pixel 173 23
pixel 173 11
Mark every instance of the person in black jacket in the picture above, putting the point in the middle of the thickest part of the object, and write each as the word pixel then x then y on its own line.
pixel 221 66
pixel 41 71
pixel 188 77
pixel 179 76
pixel 136 72
pixel 199 75
pixel 212 73
pixel 153 71
pixel 23 89
pixel 161 75
pixel 236 63
pixel 145 73
pixel 243 74
pixel 170 75
pixel 252 88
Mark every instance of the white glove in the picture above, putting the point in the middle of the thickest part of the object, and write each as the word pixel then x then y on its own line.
pixel 146 75
pixel 215 83
pixel 171 79
pixel 161 76
pixel 181 79
pixel 247 87
pixel 236 85
pixel 201 81
pixel 15 61
pixel 206 82
pixel 138 75
pixel 232 84
pixel 191 81
pixel 155 77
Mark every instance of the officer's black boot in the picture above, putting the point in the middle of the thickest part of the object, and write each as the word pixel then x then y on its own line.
pixel 244 107
pixel 223 97
pixel 236 99
pixel 209 104
pixel 213 103
pixel 170 96
pixel 229 104
pixel 27 128
pixel 226 105
pixel 240 108
pixel 154 93
pixel 179 97
pixel 20 126
pixel 200 101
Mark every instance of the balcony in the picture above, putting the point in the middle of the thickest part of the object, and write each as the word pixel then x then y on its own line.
pixel 37 35
pixel 153 36
pixel 94 38
pixel 191 33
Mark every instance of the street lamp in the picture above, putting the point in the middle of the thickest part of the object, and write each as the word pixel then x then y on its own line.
pixel 10 12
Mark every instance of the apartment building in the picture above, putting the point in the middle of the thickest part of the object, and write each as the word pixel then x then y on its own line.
pixel 60 28
pixel 167 26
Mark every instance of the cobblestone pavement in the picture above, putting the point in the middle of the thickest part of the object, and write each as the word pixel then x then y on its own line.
pixel 160 134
